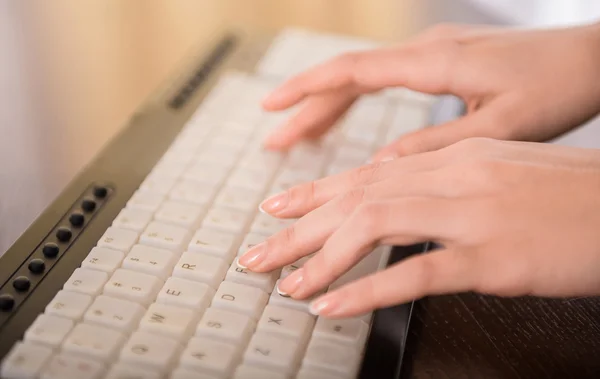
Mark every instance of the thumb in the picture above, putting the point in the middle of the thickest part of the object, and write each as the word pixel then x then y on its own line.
pixel 484 122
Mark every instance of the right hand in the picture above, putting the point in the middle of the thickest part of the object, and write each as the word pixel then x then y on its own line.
pixel 517 84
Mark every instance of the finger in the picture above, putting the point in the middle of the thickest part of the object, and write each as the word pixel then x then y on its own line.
pixel 425 67
pixel 402 221
pixel 484 122
pixel 318 114
pixel 310 232
pixel 301 199
pixel 439 272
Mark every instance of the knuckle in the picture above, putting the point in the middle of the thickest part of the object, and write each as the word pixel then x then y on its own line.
pixel 352 199
pixel 302 194
pixel 288 235
pixel 366 174
pixel 369 218
pixel 473 146
pixel 448 54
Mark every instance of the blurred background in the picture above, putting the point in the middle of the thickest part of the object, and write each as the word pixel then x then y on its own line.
pixel 72 72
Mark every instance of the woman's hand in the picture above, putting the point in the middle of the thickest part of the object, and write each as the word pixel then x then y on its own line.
pixel 514 218
pixel 517 85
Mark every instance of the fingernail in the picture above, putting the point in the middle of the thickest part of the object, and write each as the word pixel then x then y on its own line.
pixel 252 257
pixel 325 305
pixel 237 262
pixel 275 203
pixel 291 284
pixel 284 294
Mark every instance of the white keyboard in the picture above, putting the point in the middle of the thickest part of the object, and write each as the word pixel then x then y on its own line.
pixel 161 296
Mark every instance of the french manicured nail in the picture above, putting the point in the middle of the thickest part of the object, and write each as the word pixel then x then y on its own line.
pixel 253 257
pixel 284 294
pixel 237 262
pixel 325 305
pixel 275 203
pixel 291 284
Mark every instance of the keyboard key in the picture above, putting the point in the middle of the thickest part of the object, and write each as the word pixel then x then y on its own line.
pixel 227 326
pixel 208 172
pixel 145 201
pixel 187 215
pixel 48 330
pixel 287 302
pixel 366 266
pixel 134 219
pixel 287 270
pixel 240 298
pixel 25 361
pixel 261 160
pixel 331 357
pixel 350 331
pixel 227 220
pixel 286 322
pixel 168 321
pixel 115 313
pixel 150 351
pixel 69 304
pixel 235 198
pixel 165 236
pixel 193 192
pixel 86 281
pixel 213 242
pixel 186 293
pixel 276 352
pixel 250 179
pixel 118 239
pixel 123 371
pixel 251 240
pixel 201 268
pixel 150 260
pixel 252 372
pixel 94 341
pixel 65 366
pixel 103 259
pixel 159 183
pixel 183 373
pixel 263 281
pixel 212 357
pixel 132 285
pixel 269 225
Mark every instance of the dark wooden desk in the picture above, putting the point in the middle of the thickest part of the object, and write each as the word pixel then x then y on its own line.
pixel 72 72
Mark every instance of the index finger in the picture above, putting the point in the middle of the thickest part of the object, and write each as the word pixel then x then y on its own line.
pixel 301 199
pixel 424 67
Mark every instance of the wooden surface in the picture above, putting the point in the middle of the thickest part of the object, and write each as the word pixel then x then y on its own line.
pixel 72 72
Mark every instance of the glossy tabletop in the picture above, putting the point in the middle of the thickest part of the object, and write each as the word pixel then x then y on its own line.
pixel 72 72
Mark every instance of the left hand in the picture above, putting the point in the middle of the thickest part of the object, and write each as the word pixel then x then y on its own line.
pixel 513 218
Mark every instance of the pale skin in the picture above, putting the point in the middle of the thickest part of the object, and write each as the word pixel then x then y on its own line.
pixel 513 218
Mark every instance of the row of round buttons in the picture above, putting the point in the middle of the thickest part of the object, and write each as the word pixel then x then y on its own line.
pixel 51 250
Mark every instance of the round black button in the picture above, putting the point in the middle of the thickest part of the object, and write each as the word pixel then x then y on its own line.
pixel 76 219
pixel 100 192
pixel 37 266
pixel 63 234
pixel 50 250
pixel 21 283
pixel 6 302
pixel 88 205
